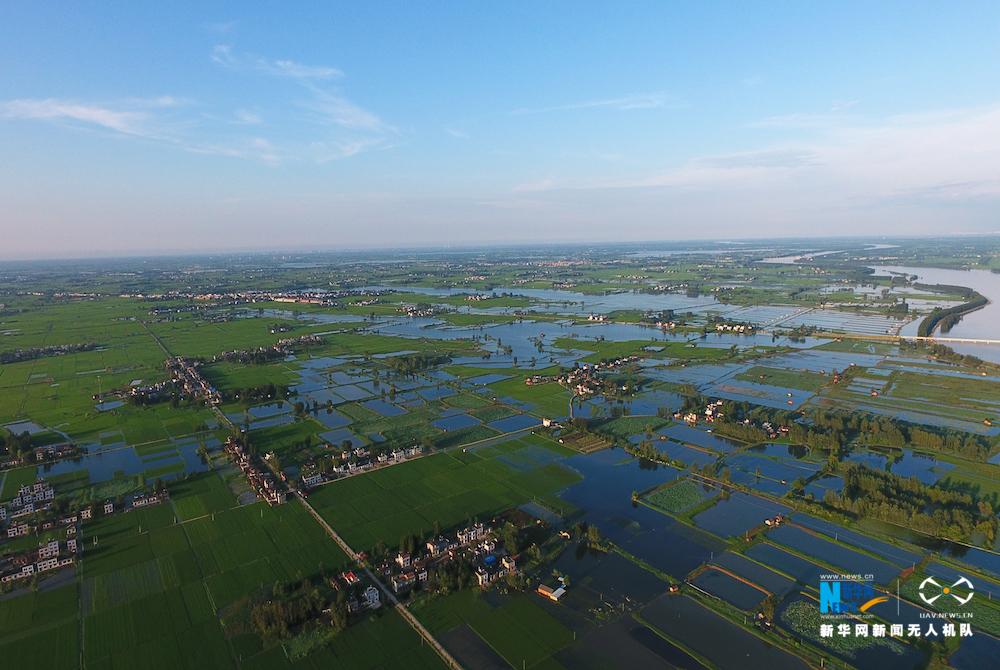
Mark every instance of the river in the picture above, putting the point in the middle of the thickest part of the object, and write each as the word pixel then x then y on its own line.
pixel 981 324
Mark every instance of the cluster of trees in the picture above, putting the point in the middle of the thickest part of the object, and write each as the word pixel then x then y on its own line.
pixel 253 357
pixel 256 394
pixel 301 407
pixel 414 363
pixel 943 353
pixel 17 445
pixel 911 503
pixel 148 398
pixel 275 618
pixel 275 352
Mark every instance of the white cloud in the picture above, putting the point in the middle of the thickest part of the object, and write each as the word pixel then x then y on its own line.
pixel 625 103
pixel 325 152
pixel 247 117
pixel 344 127
pixel 337 109
pixel 139 118
pixel 290 68
pixel 336 127
pixel 457 133
pixel 224 55
pixel 51 109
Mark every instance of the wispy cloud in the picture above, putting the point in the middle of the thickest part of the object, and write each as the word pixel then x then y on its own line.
pixel 766 158
pixel 225 55
pixel 337 109
pixel 656 100
pixel 843 105
pixel 129 118
pixel 290 68
pixel 318 123
pixel 801 121
pixel 328 106
pixel 325 152
pixel 220 27
pixel 247 117
pixel 457 133
pixel 142 118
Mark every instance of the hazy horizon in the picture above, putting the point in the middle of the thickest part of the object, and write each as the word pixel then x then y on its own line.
pixel 737 243
pixel 126 131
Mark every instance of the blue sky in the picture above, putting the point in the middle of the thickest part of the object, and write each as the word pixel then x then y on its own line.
pixel 125 128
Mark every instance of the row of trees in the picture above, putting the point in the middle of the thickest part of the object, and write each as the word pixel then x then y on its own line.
pixel 911 503
pixel 947 318
pixel 828 430
pixel 19 355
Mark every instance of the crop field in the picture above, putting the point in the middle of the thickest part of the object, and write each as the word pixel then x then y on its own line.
pixel 152 581
pixel 585 442
pixel 984 611
pixel 442 488
pixel 550 400
pixel 794 379
pixel 680 496
pixel 518 629
pixel 627 426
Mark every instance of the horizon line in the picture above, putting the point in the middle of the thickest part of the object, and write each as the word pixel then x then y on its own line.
pixel 439 247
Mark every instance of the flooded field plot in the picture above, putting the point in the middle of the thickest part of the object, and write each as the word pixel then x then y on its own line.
pixel 978 651
pixel 829 551
pixel 382 407
pixel 738 513
pixel 601 578
pixel 779 397
pixel 626 643
pixel 925 468
pixel 605 496
pixel 701 629
pixel 846 322
pixel 515 423
pixel 728 588
pixel 701 438
pixel 767 579
pixel 898 555
pixel 456 422
pixel 683 453
pixel 802 571
pixel 818 487
pixel 782 470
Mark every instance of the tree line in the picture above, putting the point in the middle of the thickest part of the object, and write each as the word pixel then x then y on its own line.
pixel 911 503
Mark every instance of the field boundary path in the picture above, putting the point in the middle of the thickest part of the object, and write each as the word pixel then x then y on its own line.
pixel 448 659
